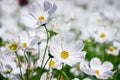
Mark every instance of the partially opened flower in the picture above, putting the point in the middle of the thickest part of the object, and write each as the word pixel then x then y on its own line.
pixel 25 40
pixel 59 25
pixel 8 65
pixel 53 63
pixel 113 51
pixel 76 70
pixel 65 49
pixel 39 14
pixel 12 46
pixel 101 71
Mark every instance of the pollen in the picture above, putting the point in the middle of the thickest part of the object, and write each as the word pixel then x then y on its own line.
pixel 111 48
pixel 13 46
pixel 64 54
pixel 97 72
pixel 52 63
pixel 24 44
pixel 102 35
pixel 41 18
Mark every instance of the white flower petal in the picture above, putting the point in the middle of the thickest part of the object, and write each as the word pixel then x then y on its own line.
pixel 106 66
pixel 95 63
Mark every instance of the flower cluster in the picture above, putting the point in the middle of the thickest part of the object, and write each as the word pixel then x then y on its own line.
pixel 59 40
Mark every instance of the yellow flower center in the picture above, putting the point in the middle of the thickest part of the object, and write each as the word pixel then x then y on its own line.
pixel 13 46
pixel 97 72
pixel 64 54
pixel 41 18
pixel 78 67
pixel 111 48
pixel 52 63
pixel 24 44
pixel 102 35
pixel 8 71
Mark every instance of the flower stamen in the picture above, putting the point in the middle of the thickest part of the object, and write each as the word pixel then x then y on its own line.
pixel 13 46
pixel 52 63
pixel 111 48
pixel 97 72
pixel 64 54
pixel 41 18
pixel 102 35
pixel 24 44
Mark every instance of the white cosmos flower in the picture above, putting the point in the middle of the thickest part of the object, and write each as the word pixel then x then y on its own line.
pixel 8 65
pixel 37 35
pixel 101 71
pixel 25 40
pixel 65 49
pixel 76 70
pixel 53 63
pixel 12 45
pixel 38 14
pixel 103 34
pixel 113 51
pixel 117 44
pixel 59 25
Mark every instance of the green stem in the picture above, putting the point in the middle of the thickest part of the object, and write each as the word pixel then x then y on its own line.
pixel 19 64
pixel 44 67
pixel 65 75
pixel 48 69
pixel 28 75
pixel 45 47
pixel 104 51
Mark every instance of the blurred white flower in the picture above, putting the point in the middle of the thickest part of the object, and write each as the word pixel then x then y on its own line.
pixel 37 35
pixel 75 79
pixel 117 44
pixel 76 70
pixel 113 51
pixel 87 79
pixel 59 25
pixel 25 40
pixel 103 34
pixel 101 71
pixel 8 65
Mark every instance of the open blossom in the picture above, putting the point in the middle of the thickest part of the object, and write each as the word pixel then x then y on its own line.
pixel 103 34
pixel 65 49
pixel 101 71
pixel 39 14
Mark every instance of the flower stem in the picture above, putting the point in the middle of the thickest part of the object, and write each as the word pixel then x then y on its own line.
pixel 44 67
pixel 45 47
pixel 19 64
